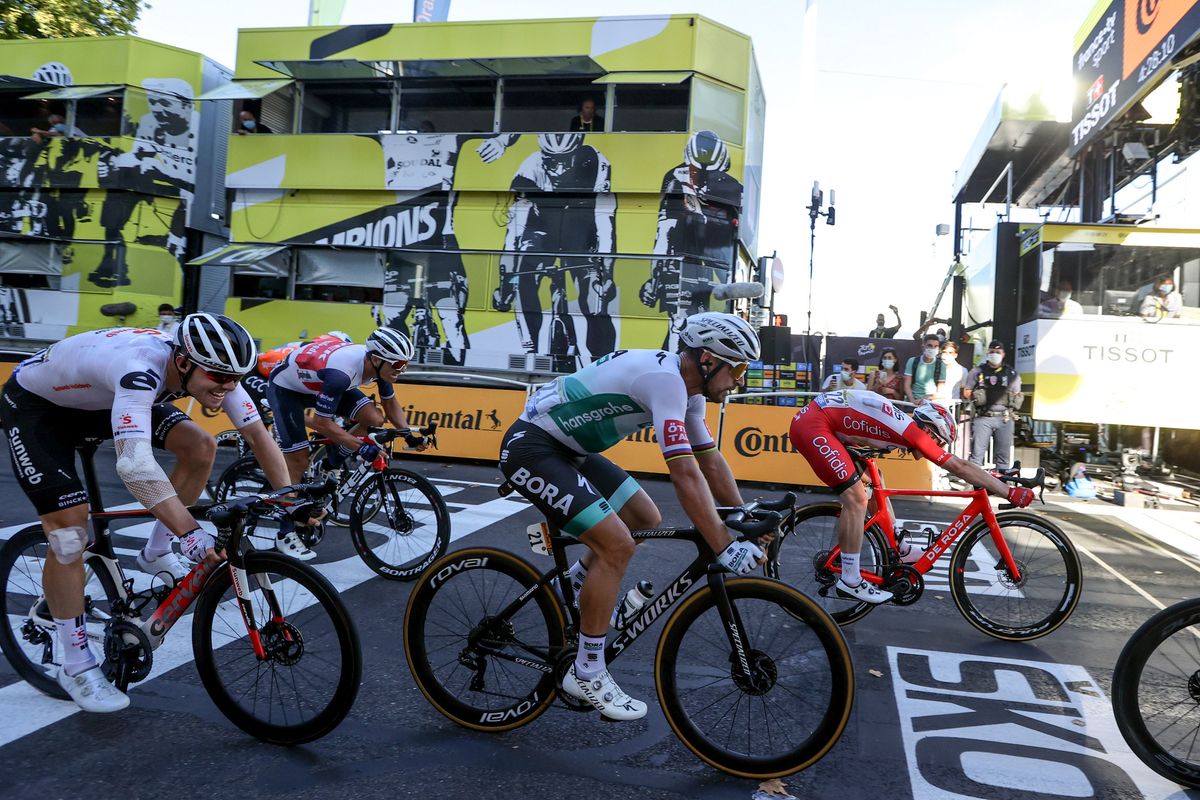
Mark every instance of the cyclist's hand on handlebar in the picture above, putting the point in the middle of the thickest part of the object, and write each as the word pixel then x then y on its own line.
pixel 198 545
pixel 1020 496
pixel 740 558
pixel 368 451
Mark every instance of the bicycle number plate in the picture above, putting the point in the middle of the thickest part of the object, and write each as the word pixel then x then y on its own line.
pixel 539 538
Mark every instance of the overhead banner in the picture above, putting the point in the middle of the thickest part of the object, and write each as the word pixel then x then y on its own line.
pixel 1072 364
pixel 431 10
pixel 1124 55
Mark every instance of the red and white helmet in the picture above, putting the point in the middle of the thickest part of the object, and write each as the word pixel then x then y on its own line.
pixel 937 421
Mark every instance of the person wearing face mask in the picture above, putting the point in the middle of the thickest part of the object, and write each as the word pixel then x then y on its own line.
pixel 1061 304
pixel 925 375
pixel 248 123
pixel 845 378
pixel 886 380
pixel 994 389
pixel 167 319
pixel 1160 298
pixel 953 372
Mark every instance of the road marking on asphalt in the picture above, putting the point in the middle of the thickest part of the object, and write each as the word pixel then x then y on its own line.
pixel 1149 598
pixel 28 711
pixel 981 726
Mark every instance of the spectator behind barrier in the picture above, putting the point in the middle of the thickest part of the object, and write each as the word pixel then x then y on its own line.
pixel 845 379
pixel 994 389
pixel 587 120
pixel 887 380
pixel 881 330
pixel 924 375
pixel 248 123
pixel 953 374
pixel 1159 299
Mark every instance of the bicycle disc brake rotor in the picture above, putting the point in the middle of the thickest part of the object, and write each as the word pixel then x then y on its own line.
pixel 1194 686
pixel 905 584
pixel 126 648
pixel 282 642
pixel 1004 577
pixel 763 673
pixel 311 535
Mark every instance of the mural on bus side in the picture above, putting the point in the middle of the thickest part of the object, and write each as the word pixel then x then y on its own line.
pixel 508 244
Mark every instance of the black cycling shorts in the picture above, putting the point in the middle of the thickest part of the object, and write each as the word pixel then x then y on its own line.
pixel 42 438
pixel 574 491
pixel 287 413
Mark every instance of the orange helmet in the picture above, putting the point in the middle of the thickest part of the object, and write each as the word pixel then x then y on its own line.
pixel 267 361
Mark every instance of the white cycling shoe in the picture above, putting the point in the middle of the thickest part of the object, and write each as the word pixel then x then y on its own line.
pixel 168 562
pixel 864 591
pixel 604 695
pixel 292 545
pixel 91 691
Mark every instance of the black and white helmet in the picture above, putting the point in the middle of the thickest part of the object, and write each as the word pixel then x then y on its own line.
pixel 559 144
pixel 706 150
pixel 725 335
pixel 216 342
pixel 390 344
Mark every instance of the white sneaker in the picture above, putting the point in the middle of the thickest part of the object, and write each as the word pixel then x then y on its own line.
pixel 865 591
pixel 291 545
pixel 168 562
pixel 91 691
pixel 604 694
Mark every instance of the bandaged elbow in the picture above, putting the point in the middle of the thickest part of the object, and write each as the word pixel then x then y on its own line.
pixel 140 472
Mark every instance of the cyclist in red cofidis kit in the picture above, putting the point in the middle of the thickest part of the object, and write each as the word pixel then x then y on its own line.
pixel 821 432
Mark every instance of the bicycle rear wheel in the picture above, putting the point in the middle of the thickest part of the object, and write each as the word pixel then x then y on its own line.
pixel 792 706
pixel 399 524
pixel 1156 692
pixel 1016 610
pixel 243 477
pixel 308 681
pixel 483 668
pixel 798 555
pixel 27 634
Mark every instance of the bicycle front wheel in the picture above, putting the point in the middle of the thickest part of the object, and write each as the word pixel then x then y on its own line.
pixel 479 657
pixel 399 524
pixel 307 681
pixel 1036 603
pixel 799 554
pixel 1156 693
pixel 243 477
pixel 782 715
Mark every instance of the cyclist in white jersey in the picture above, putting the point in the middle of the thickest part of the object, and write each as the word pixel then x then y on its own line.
pixel 115 384
pixel 552 456
pixel 325 376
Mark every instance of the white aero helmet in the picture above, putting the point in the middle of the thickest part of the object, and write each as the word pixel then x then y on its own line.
pixel 706 150
pixel 724 335
pixel 216 342
pixel 559 144
pixel 390 344
pixel 936 420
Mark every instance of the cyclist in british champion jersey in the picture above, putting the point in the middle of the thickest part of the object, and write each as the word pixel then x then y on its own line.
pixel 116 384
pixel 325 375
pixel 822 429
pixel 551 454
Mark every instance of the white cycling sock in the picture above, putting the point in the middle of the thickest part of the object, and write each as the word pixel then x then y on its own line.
pixel 589 661
pixel 77 656
pixel 160 541
pixel 577 573
pixel 850 574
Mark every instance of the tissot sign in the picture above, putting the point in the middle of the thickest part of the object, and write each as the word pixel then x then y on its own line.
pixel 1127 51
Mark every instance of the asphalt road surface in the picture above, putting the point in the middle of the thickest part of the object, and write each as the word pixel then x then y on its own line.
pixel 942 711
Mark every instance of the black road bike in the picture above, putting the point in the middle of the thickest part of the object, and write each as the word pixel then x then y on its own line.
pixel 752 675
pixel 273 644
pixel 399 523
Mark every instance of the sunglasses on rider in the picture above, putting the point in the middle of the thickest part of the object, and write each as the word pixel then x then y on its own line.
pixel 220 378
pixel 737 369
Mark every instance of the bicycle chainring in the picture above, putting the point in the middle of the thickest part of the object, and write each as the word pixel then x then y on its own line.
pixel 311 535
pixel 128 653
pixel 905 583
pixel 565 659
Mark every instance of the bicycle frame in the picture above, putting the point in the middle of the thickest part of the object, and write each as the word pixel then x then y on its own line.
pixel 979 506
pixel 103 559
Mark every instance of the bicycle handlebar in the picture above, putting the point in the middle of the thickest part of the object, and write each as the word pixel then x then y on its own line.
pixel 223 514
pixel 1013 475
pixel 413 437
pixel 761 524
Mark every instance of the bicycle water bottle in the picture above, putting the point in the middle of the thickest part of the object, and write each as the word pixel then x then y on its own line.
pixel 635 598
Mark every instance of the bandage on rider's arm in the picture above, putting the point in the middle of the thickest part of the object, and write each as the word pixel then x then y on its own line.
pixel 141 473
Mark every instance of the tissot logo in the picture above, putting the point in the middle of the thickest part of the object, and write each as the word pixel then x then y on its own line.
pixel 1095 90
pixel 751 441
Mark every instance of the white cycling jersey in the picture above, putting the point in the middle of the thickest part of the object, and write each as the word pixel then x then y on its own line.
pixel 122 369
pixel 618 395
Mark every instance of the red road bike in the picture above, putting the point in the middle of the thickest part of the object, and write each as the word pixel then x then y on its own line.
pixel 1014 575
